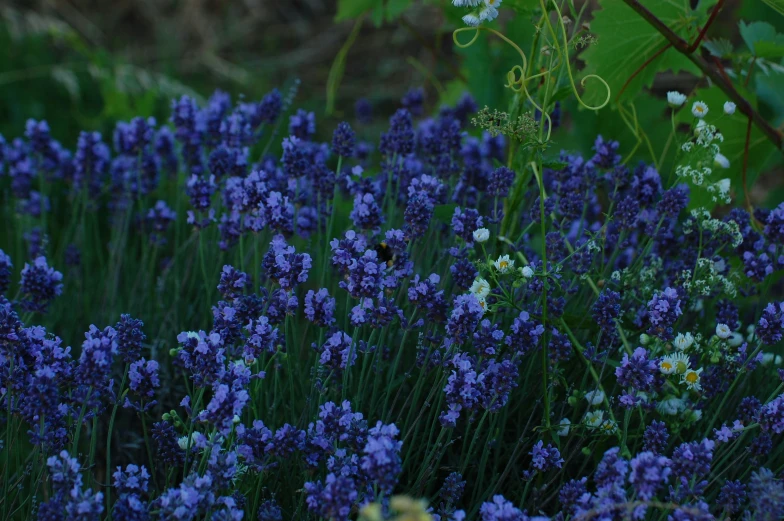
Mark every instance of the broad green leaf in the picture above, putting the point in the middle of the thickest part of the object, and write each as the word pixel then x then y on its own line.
pixel 348 9
pixel 626 41
pixel 720 47
pixel 444 212
pixel 762 39
pixel 733 128
pixel 395 8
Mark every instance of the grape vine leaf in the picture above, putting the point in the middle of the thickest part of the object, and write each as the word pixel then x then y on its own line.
pixel 762 39
pixel 625 41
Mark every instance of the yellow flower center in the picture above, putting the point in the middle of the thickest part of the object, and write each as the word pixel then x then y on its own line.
pixel 667 366
pixel 681 367
pixel 502 265
pixel 692 377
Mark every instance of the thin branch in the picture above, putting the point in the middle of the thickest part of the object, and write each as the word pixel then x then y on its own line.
pixel 693 47
pixel 683 46
pixel 641 68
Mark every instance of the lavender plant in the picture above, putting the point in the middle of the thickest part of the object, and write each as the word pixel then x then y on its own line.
pixel 283 328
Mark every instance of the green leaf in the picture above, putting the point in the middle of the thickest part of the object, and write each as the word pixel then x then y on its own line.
pixel 778 5
pixel 395 8
pixel 733 128
pixel 625 41
pixel 348 9
pixel 762 39
pixel 720 47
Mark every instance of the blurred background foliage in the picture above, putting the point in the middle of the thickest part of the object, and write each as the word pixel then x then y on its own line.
pixel 84 64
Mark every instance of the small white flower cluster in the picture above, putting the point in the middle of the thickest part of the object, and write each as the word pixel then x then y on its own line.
pixel 594 419
pixel 701 219
pixel 482 10
pixel 703 154
pixel 706 279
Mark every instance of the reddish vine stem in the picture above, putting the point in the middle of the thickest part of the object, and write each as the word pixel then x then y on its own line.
pixel 693 47
pixel 642 68
pixel 726 86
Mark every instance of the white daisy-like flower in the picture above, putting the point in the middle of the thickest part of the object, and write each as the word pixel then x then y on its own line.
pixel 683 341
pixel 729 108
pixel 670 406
pixel 526 272
pixel 721 160
pixel 735 339
pixel 692 379
pixel 609 427
pixel 699 109
pixel 481 235
pixel 593 419
pixel 490 10
pixel 681 362
pixel 480 287
pixel 471 19
pixel 504 264
pixel 564 425
pixel 675 98
pixel 594 397
pixel 666 365
pixel 723 331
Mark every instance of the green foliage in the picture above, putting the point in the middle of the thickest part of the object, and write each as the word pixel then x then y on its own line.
pixel 778 5
pixel 626 41
pixel 380 10
pixel 762 39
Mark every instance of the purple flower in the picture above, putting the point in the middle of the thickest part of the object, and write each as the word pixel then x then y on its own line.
pixel 284 266
pixel 363 111
pixel 332 499
pixel 766 495
pixel 302 125
pixel 655 437
pixel 465 223
pixel 674 201
pixel 649 473
pixel 463 390
pixel 338 352
pixel 382 463
pixel 605 156
pixel 262 338
pixel 232 282
pixel 452 489
pixel 132 480
pixel 367 215
pixel 320 307
pixel 692 459
pixel 663 310
pixel 129 337
pixel 40 284
pixel 500 510
pixel 525 334
pixel 366 276
pixel 466 314
pixel 771 324
pixel 269 511
pixel 225 405
pixel 731 496
pixel 143 380
pixel 399 140
pixel 91 163
pixel 771 415
pixel 636 371
pixel 343 140
pixel 545 458
pixel 418 213
pixel 501 181
pixel 427 297
pixel 64 472
pixel 345 252
pixel 500 378
pixel 270 107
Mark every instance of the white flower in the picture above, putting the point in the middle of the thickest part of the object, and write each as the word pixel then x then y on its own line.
pixel 692 379
pixel 683 341
pixel 675 98
pixel 564 427
pixel 609 427
pixel 471 19
pixel 729 108
pixel 771 358
pixel 526 272
pixel 490 10
pixel 480 287
pixel 593 419
pixel 645 339
pixel 724 186
pixel 183 442
pixel 699 109
pixel 681 362
pixel 594 397
pixel 721 160
pixel 667 365
pixel 504 264
pixel 735 339
pixel 670 406
pixel 481 235
pixel 723 331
